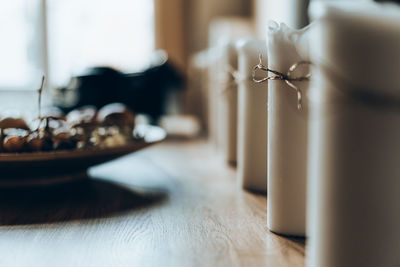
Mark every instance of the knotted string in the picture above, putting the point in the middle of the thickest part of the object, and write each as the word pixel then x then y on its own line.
pixel 288 77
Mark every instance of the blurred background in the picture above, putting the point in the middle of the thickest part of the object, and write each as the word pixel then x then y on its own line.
pixel 152 55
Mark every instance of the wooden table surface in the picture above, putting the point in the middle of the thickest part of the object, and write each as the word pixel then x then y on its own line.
pixel 174 204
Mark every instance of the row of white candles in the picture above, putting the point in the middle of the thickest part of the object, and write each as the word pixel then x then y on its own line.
pixel 331 158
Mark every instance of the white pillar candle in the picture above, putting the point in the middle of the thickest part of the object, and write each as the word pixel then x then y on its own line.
pixel 354 178
pixel 196 98
pixel 222 31
pixel 227 114
pixel 216 77
pixel 287 135
pixel 252 118
pixel 291 12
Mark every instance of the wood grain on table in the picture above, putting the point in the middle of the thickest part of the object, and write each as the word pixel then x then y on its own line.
pixel 174 204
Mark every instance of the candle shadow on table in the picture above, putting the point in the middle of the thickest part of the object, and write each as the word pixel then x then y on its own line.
pixel 298 240
pixel 84 199
pixel 295 239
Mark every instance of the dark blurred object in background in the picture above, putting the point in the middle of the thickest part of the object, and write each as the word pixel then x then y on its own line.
pixel 145 92
pixel 394 1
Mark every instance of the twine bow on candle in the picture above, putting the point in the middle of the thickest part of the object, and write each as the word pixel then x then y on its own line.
pixel 288 77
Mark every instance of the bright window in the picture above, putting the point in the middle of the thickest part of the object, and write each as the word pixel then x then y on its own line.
pixel 20 43
pixel 80 34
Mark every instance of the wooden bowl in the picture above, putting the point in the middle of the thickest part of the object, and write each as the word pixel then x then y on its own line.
pixel 54 167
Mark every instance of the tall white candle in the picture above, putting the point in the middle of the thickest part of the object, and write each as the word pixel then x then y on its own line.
pixel 287 135
pixel 291 12
pixel 218 78
pixel 252 118
pixel 227 115
pixel 354 179
pixel 222 31
pixel 214 89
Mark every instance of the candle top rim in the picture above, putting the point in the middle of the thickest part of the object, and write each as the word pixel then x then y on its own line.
pixel 357 43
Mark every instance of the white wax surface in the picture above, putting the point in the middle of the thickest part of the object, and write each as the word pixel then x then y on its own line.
pixel 291 12
pixel 222 31
pixel 354 185
pixel 226 102
pixel 359 42
pixel 215 88
pixel 252 118
pixel 229 101
pixel 287 136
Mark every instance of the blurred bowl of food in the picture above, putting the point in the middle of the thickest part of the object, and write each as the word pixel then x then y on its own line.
pixel 61 147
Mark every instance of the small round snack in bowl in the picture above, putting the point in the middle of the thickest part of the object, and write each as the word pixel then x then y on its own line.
pixel 117 115
pixel 62 140
pixel 14 123
pixel 53 112
pixel 37 141
pixel 82 122
pixel 14 140
pixel 82 116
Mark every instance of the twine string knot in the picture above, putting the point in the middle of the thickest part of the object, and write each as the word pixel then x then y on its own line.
pixel 288 77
